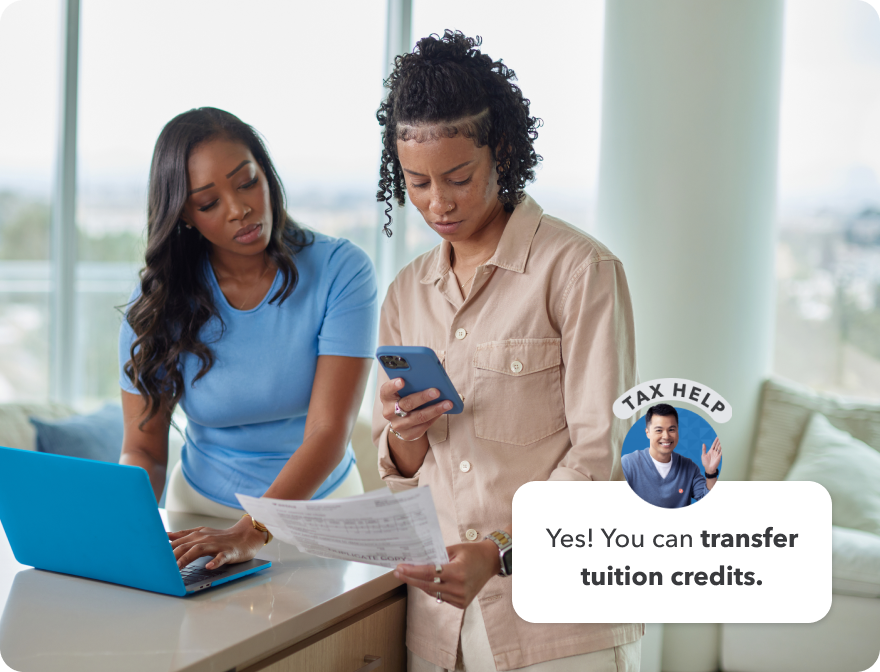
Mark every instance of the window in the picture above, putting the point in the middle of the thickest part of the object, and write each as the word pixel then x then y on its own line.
pixel 28 135
pixel 307 81
pixel 828 255
pixel 310 91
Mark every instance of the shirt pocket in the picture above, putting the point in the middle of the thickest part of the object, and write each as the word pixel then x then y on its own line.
pixel 438 432
pixel 518 390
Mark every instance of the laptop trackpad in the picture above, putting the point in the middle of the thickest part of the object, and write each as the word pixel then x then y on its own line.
pixel 196 572
pixel 196 576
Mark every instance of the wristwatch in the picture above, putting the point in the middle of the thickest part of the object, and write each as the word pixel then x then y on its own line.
pixel 714 474
pixel 505 550
pixel 260 527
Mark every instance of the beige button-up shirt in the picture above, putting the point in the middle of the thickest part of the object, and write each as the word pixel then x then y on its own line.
pixel 540 349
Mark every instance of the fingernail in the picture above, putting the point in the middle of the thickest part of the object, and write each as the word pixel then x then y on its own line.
pixel 447 405
pixel 396 574
pixel 398 383
pixel 209 565
pixel 433 394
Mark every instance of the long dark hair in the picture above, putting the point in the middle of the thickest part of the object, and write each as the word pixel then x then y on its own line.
pixel 175 300
pixel 449 83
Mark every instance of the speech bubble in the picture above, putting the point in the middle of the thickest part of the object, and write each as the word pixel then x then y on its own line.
pixel 751 552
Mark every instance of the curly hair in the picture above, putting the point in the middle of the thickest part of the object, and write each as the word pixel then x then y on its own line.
pixel 447 86
pixel 175 301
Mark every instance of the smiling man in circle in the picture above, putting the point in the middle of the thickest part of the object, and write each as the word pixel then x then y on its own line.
pixel 661 476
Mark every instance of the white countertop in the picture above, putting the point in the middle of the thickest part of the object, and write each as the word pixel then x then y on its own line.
pixel 57 622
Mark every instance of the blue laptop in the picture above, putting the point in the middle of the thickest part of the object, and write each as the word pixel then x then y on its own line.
pixel 96 520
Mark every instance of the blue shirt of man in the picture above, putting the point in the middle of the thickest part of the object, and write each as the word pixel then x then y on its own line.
pixel 662 477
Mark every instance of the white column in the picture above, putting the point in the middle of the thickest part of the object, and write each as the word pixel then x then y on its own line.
pixel 687 184
pixel 63 241
pixel 686 199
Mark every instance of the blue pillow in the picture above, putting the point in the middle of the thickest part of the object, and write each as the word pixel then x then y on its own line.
pixel 95 437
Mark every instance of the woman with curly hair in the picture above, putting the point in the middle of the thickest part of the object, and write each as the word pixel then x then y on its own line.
pixel 260 330
pixel 533 322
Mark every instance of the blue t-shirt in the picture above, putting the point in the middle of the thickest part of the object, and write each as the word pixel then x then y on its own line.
pixel 247 415
pixel 683 482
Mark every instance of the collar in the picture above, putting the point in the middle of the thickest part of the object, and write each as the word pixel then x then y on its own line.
pixel 513 249
pixel 675 457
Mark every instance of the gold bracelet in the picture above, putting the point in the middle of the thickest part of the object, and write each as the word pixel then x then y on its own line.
pixel 260 527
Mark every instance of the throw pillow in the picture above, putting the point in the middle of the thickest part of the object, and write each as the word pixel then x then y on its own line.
pixel 97 436
pixel 847 468
pixel 855 559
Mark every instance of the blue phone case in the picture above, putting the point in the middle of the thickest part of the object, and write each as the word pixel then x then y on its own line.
pixel 424 371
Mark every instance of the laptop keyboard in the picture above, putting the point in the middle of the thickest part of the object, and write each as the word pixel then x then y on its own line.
pixel 193 575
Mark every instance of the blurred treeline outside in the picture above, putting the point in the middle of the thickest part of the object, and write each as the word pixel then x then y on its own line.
pixel 105 274
pixel 828 302
pixel 828 290
pixel 25 224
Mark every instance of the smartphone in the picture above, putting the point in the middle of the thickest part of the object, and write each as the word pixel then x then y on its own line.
pixel 420 370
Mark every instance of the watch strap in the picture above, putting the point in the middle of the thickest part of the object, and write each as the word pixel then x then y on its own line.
pixel 504 542
pixel 259 526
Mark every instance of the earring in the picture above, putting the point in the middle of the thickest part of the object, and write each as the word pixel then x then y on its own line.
pixel 450 207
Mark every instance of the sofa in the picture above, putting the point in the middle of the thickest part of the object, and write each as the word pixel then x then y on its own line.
pixel 17 431
pixel 848 638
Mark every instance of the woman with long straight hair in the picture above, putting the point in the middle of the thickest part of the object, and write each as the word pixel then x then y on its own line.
pixel 533 322
pixel 260 330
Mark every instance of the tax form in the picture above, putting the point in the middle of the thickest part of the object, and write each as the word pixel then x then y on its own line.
pixel 377 528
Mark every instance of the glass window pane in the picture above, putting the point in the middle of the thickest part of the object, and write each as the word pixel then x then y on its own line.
pixel 24 333
pixel 29 80
pixel 828 256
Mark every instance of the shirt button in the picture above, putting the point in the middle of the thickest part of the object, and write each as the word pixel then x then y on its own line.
pixel 471 535
pixel 465 466
pixel 516 366
pixel 460 333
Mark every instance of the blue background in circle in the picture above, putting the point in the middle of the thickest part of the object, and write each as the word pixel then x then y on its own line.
pixel 693 432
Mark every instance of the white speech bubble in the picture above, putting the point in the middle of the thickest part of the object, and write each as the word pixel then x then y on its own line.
pixel 788 528
pixel 673 390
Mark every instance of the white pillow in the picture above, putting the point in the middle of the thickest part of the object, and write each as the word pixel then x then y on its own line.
pixel 847 468
pixel 855 558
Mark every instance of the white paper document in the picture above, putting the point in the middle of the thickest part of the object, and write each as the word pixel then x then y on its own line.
pixel 377 528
